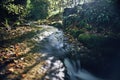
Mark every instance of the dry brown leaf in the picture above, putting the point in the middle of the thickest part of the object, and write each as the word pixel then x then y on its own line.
pixel 24 75
pixel 15 61
pixel 11 65
pixel 11 69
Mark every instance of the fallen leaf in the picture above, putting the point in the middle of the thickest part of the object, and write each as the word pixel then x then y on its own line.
pixel 16 61
pixel 24 75
pixel 11 69
pixel 11 65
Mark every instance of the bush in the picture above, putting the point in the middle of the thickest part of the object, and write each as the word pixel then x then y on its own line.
pixel 70 20
pixel 12 11
pixel 81 24
pixel 39 9
pixel 55 17
pixel 76 33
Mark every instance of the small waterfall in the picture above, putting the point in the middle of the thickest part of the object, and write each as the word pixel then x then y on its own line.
pixel 52 41
pixel 75 72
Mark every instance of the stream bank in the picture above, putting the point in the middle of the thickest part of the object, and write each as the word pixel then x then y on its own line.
pixel 52 57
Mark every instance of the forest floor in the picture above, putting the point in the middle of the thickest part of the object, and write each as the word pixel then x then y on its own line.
pixel 17 60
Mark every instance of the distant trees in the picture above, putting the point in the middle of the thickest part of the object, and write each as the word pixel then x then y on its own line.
pixel 60 5
pixel 12 10
pixel 99 13
pixel 38 9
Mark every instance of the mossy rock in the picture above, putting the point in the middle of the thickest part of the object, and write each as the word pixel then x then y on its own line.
pixel 91 40
pixel 57 25
pixel 76 33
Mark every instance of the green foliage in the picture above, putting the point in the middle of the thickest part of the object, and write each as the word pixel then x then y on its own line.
pixel 6 24
pixel 75 32
pixel 55 17
pixel 12 10
pixel 100 13
pixel 15 9
pixel 91 40
pixel 81 23
pixel 84 24
pixel 84 38
pixel 57 6
pixel 39 9
pixel 70 20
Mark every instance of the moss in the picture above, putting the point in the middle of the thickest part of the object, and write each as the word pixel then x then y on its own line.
pixel 75 32
pixel 91 40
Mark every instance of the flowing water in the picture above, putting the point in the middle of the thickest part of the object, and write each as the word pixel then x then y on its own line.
pixel 53 43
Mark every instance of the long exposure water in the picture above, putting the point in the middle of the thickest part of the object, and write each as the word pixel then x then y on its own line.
pixel 53 43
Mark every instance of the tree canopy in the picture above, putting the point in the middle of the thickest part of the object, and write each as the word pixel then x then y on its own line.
pixel 38 9
pixel 12 10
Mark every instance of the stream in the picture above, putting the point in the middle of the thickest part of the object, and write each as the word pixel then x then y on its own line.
pixel 61 66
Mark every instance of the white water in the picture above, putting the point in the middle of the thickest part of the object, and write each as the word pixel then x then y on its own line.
pixel 76 72
pixel 52 41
